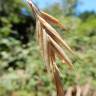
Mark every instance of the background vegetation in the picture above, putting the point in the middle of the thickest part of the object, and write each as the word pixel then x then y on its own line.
pixel 22 72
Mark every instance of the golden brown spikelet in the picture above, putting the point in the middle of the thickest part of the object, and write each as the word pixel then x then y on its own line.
pixel 54 34
pixel 51 44
pixel 45 49
pixel 38 30
pixel 51 19
pixel 60 51
pixel 55 72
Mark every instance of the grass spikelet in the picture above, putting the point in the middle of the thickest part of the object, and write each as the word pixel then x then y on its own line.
pixel 54 34
pixel 51 44
pixel 52 20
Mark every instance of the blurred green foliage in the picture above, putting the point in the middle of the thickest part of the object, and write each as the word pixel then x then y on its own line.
pixel 22 70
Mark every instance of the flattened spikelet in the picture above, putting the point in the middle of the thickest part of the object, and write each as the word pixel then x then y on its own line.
pixel 55 70
pixel 39 34
pixel 45 49
pixel 51 19
pixel 38 27
pixel 60 51
pixel 59 88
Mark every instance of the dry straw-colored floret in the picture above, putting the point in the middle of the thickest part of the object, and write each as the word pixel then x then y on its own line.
pixel 51 44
